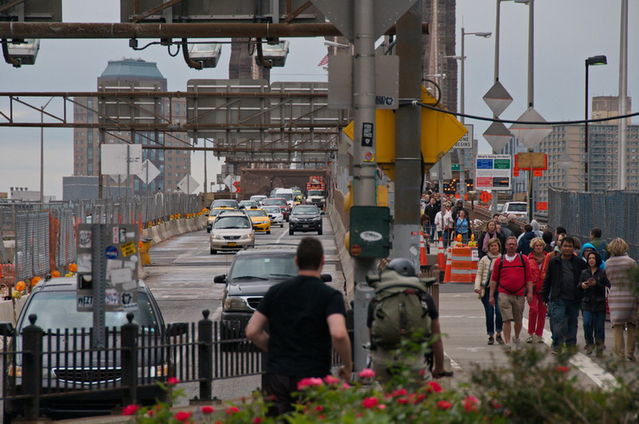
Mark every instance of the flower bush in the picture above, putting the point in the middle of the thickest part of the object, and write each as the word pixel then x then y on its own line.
pixel 528 387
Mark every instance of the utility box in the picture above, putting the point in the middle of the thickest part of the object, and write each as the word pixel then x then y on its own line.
pixel 369 232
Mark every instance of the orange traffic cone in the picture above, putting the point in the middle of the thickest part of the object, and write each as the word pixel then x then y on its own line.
pixel 423 262
pixel 449 263
pixel 441 256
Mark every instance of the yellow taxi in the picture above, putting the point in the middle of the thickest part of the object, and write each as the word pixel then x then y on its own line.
pixel 259 219
pixel 217 206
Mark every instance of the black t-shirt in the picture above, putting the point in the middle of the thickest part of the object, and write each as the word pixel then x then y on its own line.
pixel 300 341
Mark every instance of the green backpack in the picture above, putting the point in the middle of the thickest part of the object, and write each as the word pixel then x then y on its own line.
pixel 398 309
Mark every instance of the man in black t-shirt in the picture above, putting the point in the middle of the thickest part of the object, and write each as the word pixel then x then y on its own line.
pixel 304 317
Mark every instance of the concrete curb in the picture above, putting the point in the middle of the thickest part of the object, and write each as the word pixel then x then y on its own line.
pixel 344 256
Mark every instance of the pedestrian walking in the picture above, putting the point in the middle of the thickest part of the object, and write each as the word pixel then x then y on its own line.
pixel 559 232
pixel 503 227
pixel 593 284
pixel 490 232
pixel 597 243
pixel 494 323
pixel 512 279
pixel 304 318
pixel 443 223
pixel 537 308
pixel 547 237
pixel 462 226
pixel 431 210
pixel 402 309
pixel 459 206
pixel 523 242
pixel 561 294
pixel 622 299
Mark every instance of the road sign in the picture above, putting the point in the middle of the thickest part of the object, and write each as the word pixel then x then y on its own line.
pixel 466 142
pixel 497 98
pixel 485 197
pixel 369 231
pixel 188 184
pixel 530 135
pixel 493 172
pixel 340 13
pixel 121 159
pixel 148 172
pixel 531 160
pixel 497 136
pixel 455 167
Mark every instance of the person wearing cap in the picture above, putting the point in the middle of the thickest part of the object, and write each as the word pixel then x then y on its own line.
pixel 384 358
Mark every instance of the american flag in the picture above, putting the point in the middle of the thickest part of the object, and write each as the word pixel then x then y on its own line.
pixel 324 61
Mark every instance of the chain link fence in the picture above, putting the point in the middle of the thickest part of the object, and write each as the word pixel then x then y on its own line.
pixel 615 212
pixel 37 238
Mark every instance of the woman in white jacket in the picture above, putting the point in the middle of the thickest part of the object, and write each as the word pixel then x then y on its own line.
pixel 494 322
pixel 444 223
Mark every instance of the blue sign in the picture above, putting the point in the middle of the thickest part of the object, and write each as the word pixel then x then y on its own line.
pixel 484 164
pixel 111 252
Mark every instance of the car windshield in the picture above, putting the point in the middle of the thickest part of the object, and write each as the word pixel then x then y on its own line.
pixel 517 207
pixel 257 198
pixel 255 212
pixel 272 209
pixel 275 202
pixel 248 203
pixel 57 309
pixel 224 204
pixel 287 196
pixel 305 210
pixel 315 193
pixel 260 266
pixel 228 222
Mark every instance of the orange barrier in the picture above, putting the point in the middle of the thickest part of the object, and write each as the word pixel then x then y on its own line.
pixel 463 265
pixel 423 261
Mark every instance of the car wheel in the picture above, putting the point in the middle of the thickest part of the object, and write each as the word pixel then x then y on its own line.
pixel 282 225
pixel 319 232
pixel 290 231
pixel 213 251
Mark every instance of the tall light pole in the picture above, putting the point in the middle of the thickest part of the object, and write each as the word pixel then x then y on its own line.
pixel 593 60
pixel 623 93
pixel 462 178
pixel 42 149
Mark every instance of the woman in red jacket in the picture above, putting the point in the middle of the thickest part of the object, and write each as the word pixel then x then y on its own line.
pixel 537 309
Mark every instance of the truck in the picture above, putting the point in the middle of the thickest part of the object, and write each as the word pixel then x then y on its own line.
pixel 316 191
pixel 264 180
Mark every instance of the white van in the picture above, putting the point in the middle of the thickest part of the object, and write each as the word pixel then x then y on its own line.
pixel 285 193
pixel 519 209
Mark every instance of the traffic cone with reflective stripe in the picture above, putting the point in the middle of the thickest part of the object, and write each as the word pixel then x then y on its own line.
pixel 423 261
pixel 449 263
pixel 441 256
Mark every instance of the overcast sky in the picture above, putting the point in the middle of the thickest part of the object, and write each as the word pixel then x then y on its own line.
pixel 566 32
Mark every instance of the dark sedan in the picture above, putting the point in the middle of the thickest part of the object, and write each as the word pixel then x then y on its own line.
pixel 305 218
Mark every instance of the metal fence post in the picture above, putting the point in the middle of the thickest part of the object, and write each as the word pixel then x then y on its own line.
pixel 205 355
pixel 129 360
pixel 32 367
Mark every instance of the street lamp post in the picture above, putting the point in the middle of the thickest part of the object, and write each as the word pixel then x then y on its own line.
pixel 462 177
pixel 593 60
pixel 42 149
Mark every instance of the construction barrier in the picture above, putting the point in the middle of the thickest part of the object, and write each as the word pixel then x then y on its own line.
pixel 463 264
pixel 423 261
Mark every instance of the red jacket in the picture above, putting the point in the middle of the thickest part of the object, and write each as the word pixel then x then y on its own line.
pixel 537 272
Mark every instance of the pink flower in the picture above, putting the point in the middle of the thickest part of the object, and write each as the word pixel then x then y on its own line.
pixel 471 404
pixel 309 382
pixel 367 373
pixel 319 408
pixel 562 368
pixel 329 379
pixel 381 407
pixel 444 404
pixel 434 387
pixel 346 386
pixel 257 420
pixel 370 402
pixel 206 410
pixel 231 410
pixel 402 400
pixel 172 381
pixel 182 416
pixel 130 410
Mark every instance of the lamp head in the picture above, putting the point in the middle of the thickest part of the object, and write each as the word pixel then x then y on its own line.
pixel 483 34
pixel 597 60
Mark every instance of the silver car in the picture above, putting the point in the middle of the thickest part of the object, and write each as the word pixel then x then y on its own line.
pixel 275 214
pixel 231 231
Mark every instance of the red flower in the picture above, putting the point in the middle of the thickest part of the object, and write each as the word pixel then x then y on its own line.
pixel 399 392
pixel 130 410
pixel 258 420
pixel 471 404
pixel 367 373
pixel 562 368
pixel 381 407
pixel 232 410
pixel 370 402
pixel 434 387
pixel 319 408
pixel 321 417
pixel 444 404
pixel 346 386
pixel 172 381
pixel 420 398
pixel 182 416
pixel 329 379
pixel 402 400
pixel 496 405
pixel 206 410
pixel 309 382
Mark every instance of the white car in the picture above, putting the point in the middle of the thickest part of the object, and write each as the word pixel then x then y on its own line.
pixel 258 198
pixel 232 231
pixel 275 214
pixel 285 193
pixel 517 209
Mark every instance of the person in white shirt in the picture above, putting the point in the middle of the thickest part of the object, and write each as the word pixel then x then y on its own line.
pixel 444 223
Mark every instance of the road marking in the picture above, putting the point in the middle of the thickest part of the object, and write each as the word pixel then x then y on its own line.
pixel 583 363
pixel 281 235
pixel 453 364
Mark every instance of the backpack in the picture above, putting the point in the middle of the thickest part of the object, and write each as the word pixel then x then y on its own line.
pixel 522 265
pixel 399 309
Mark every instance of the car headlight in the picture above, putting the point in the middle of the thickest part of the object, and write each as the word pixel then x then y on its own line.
pixel 317 218
pixel 217 237
pixel 235 304
pixel 246 237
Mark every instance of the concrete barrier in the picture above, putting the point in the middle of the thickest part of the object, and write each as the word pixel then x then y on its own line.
pixel 202 221
pixel 181 226
pixel 156 235
pixel 190 224
pixel 345 258
pixel 6 309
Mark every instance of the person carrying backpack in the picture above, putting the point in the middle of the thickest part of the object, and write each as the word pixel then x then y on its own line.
pixel 512 278
pixel 402 309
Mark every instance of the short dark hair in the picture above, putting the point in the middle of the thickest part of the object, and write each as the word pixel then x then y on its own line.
pixel 560 230
pixel 527 228
pixel 568 239
pixel 309 254
pixel 596 232
pixel 547 236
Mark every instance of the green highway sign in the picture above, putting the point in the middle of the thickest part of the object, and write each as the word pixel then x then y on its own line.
pixel 455 167
pixel 501 164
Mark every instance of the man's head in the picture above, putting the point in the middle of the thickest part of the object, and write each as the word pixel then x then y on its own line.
pixel 560 230
pixel 567 247
pixel 310 255
pixel 511 245
pixel 459 203
pixel 495 217
pixel 595 233
pixel 433 200
pixel 528 228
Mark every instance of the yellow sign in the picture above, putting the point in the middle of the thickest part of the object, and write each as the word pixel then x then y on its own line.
pixel 128 248
pixel 440 131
